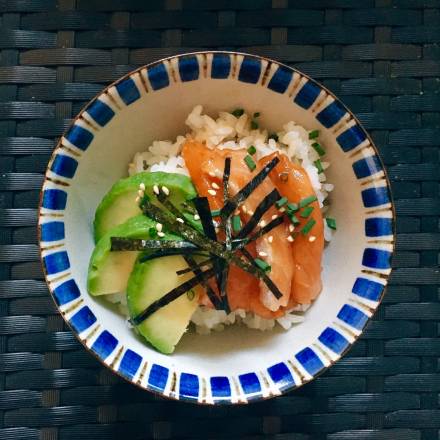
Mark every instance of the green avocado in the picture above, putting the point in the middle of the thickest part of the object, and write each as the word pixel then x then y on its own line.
pixel 119 204
pixel 150 281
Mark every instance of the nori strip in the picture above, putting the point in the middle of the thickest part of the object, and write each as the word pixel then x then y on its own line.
pixel 199 265
pixel 232 204
pixel 261 209
pixel 215 300
pixel 168 252
pixel 269 283
pixel 262 231
pixel 172 295
pixel 137 244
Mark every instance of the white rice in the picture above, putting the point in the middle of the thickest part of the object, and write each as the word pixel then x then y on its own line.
pixel 231 132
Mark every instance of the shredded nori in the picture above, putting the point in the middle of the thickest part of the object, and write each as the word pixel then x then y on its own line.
pixel 262 231
pixel 261 209
pixel 172 295
pixel 232 203
pixel 166 253
pixel 137 244
pixel 199 265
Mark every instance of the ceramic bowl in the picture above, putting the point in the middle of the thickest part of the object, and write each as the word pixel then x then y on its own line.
pixel 237 365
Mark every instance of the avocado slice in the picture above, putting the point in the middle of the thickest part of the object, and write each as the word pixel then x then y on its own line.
pixel 118 205
pixel 148 282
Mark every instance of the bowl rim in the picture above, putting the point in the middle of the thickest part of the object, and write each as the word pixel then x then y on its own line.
pixel 385 277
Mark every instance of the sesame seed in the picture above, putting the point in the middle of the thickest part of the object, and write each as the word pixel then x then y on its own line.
pixel 211 173
pixel 312 238
pixel 262 254
pixel 291 228
pixel 159 226
pixel 161 234
pixel 166 191
pixel 215 186
pixel 250 212
pixel 217 230
pixel 137 199
pixel 274 217
pixel 196 217
pixel 212 192
pixel 270 238
pixel 142 186
pixel 180 220
pixel 244 209
pixel 282 209
pixel 262 224
pixel 290 238
pixel 156 189
pixel 140 193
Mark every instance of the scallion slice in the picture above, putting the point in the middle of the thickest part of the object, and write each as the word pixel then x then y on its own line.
pixel 254 125
pixel 250 162
pixel 313 134
pixel 215 213
pixel 281 202
pixel 318 166
pixel 308 226
pixel 307 200
pixel 236 223
pixel 292 207
pixel 251 150
pixel 293 218
pixel 331 223
pixel 262 264
pixel 306 211
pixel 318 148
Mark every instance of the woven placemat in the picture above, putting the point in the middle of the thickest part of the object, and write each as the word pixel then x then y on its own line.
pixel 381 57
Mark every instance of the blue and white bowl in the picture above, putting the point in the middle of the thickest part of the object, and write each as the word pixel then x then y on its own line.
pixel 238 365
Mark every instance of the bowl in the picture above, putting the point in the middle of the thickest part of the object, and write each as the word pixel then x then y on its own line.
pixel 237 365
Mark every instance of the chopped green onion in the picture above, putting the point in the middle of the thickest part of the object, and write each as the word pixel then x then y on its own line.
pixel 254 125
pixel 292 207
pixel 318 166
pixel 152 232
pixel 281 202
pixel 313 134
pixel 190 294
pixel 308 226
pixel 256 114
pixel 236 223
pixel 215 212
pixel 306 211
pixel 238 112
pixel 331 223
pixel 250 162
pixel 262 264
pixel 306 201
pixel 251 150
pixel 273 136
pixel 293 218
pixel 318 148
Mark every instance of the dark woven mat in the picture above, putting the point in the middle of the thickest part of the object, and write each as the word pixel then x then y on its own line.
pixel 381 57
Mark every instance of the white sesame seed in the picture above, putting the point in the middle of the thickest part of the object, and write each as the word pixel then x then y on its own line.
pixel 142 186
pixel 196 217
pixel 312 238
pixel 137 199
pixel 244 209
pixel 180 220
pixel 282 209
pixel 159 226
pixel 274 217
pixel 215 186
pixel 212 192
pixel 270 238
pixel 290 238
pixel 217 230
pixel 250 212
pixel 161 234
pixel 262 254
pixel 262 224
pixel 141 193
pixel 156 189
pixel 211 173
pixel 291 228
pixel 166 191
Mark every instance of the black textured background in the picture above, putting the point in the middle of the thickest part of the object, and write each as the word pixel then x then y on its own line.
pixel 380 56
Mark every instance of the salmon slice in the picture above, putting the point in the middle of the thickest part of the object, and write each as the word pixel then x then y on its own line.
pixel 292 182
pixel 244 290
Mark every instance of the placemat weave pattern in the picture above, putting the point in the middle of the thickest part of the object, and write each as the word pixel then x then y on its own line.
pixel 381 57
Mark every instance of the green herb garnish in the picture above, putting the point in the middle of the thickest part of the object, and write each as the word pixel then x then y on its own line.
pixel 250 162
pixel 313 134
pixel 292 207
pixel 306 211
pixel 281 202
pixel 293 218
pixel 152 232
pixel 238 112
pixel 215 213
pixel 254 125
pixel 251 150
pixel 307 200
pixel 236 223
pixel 308 226
pixel 262 264
pixel 318 166
pixel 318 148
pixel 331 223
pixel 190 294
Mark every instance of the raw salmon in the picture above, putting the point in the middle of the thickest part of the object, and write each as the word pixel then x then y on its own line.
pixel 245 291
pixel 292 182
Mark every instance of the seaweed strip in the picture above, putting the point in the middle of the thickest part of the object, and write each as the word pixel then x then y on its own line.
pixel 242 242
pixel 215 300
pixel 172 295
pixel 199 265
pixel 269 283
pixel 167 253
pixel 137 244
pixel 232 204
pixel 261 209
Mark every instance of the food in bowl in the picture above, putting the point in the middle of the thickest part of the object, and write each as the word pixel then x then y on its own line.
pixel 223 226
